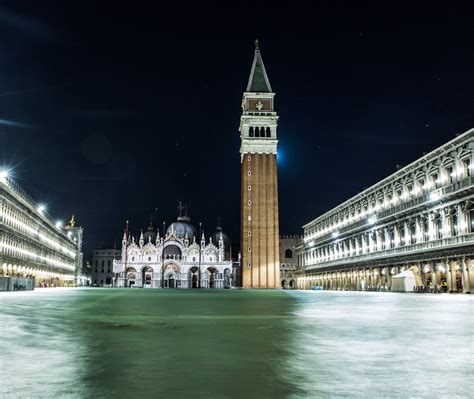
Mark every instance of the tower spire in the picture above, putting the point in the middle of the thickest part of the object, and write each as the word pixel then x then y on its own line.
pixel 258 80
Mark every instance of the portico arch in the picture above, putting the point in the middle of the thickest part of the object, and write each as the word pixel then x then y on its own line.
pixel 147 276
pixel 131 277
pixel 171 276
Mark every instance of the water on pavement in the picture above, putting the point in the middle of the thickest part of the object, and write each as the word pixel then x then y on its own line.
pixel 233 343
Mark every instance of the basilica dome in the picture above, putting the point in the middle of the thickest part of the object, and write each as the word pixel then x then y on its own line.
pixel 149 235
pixel 182 227
pixel 215 238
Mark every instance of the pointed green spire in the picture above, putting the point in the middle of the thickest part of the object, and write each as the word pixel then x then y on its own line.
pixel 258 80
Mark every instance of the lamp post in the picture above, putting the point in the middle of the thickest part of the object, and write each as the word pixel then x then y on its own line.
pixel 200 247
pixel 163 258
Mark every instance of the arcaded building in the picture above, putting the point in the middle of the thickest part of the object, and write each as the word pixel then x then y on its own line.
pixel 33 247
pixel 419 222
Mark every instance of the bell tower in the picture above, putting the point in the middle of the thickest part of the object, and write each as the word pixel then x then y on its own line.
pixel 259 229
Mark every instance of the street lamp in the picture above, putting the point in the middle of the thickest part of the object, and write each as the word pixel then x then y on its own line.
pixel 163 258
pixel 200 245
pixel 3 176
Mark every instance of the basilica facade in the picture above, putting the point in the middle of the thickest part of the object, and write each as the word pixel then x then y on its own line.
pixel 180 258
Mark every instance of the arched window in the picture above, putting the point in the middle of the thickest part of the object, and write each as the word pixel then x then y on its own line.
pixel 257 132
pixel 251 131
pixel 268 132
pixel 288 254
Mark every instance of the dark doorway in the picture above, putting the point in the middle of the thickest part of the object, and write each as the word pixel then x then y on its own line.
pixel 171 282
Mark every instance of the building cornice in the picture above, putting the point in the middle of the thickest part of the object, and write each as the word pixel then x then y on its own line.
pixel 258 146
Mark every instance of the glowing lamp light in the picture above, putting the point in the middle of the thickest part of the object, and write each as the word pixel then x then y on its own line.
pixel 3 176
pixel 41 209
pixel 335 234
pixel 434 197
pixel 372 220
pixel 59 224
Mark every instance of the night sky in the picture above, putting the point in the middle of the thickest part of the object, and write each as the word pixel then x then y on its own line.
pixel 117 112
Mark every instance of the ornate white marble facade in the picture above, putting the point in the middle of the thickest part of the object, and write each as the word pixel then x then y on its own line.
pixel 174 262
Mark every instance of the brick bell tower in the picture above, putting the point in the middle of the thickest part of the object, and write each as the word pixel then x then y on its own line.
pixel 259 229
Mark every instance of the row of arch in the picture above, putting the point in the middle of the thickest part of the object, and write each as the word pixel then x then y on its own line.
pixel 260 131
pixel 451 275
pixel 42 278
pixel 288 284
pixel 211 277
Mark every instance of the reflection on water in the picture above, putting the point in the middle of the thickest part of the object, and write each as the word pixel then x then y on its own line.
pixel 364 344
pixel 153 343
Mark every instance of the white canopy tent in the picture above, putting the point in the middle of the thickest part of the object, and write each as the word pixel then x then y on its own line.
pixel 404 281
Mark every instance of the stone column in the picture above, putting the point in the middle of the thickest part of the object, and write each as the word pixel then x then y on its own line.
pixel 432 226
pixel 448 275
pixel 448 222
pixel 379 277
pixel 387 238
pixel 406 233
pixel 396 235
pixel 379 240
pixel 444 224
pixel 418 230
pixel 466 285
pixel 463 218
pixel 371 241
pixel 388 275
pixel 434 281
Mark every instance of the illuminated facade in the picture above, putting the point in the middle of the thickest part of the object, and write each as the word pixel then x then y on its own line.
pixel 32 245
pixel 260 256
pixel 175 260
pixel 420 219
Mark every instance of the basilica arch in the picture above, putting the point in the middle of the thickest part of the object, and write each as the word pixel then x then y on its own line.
pixel 131 277
pixel 171 275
